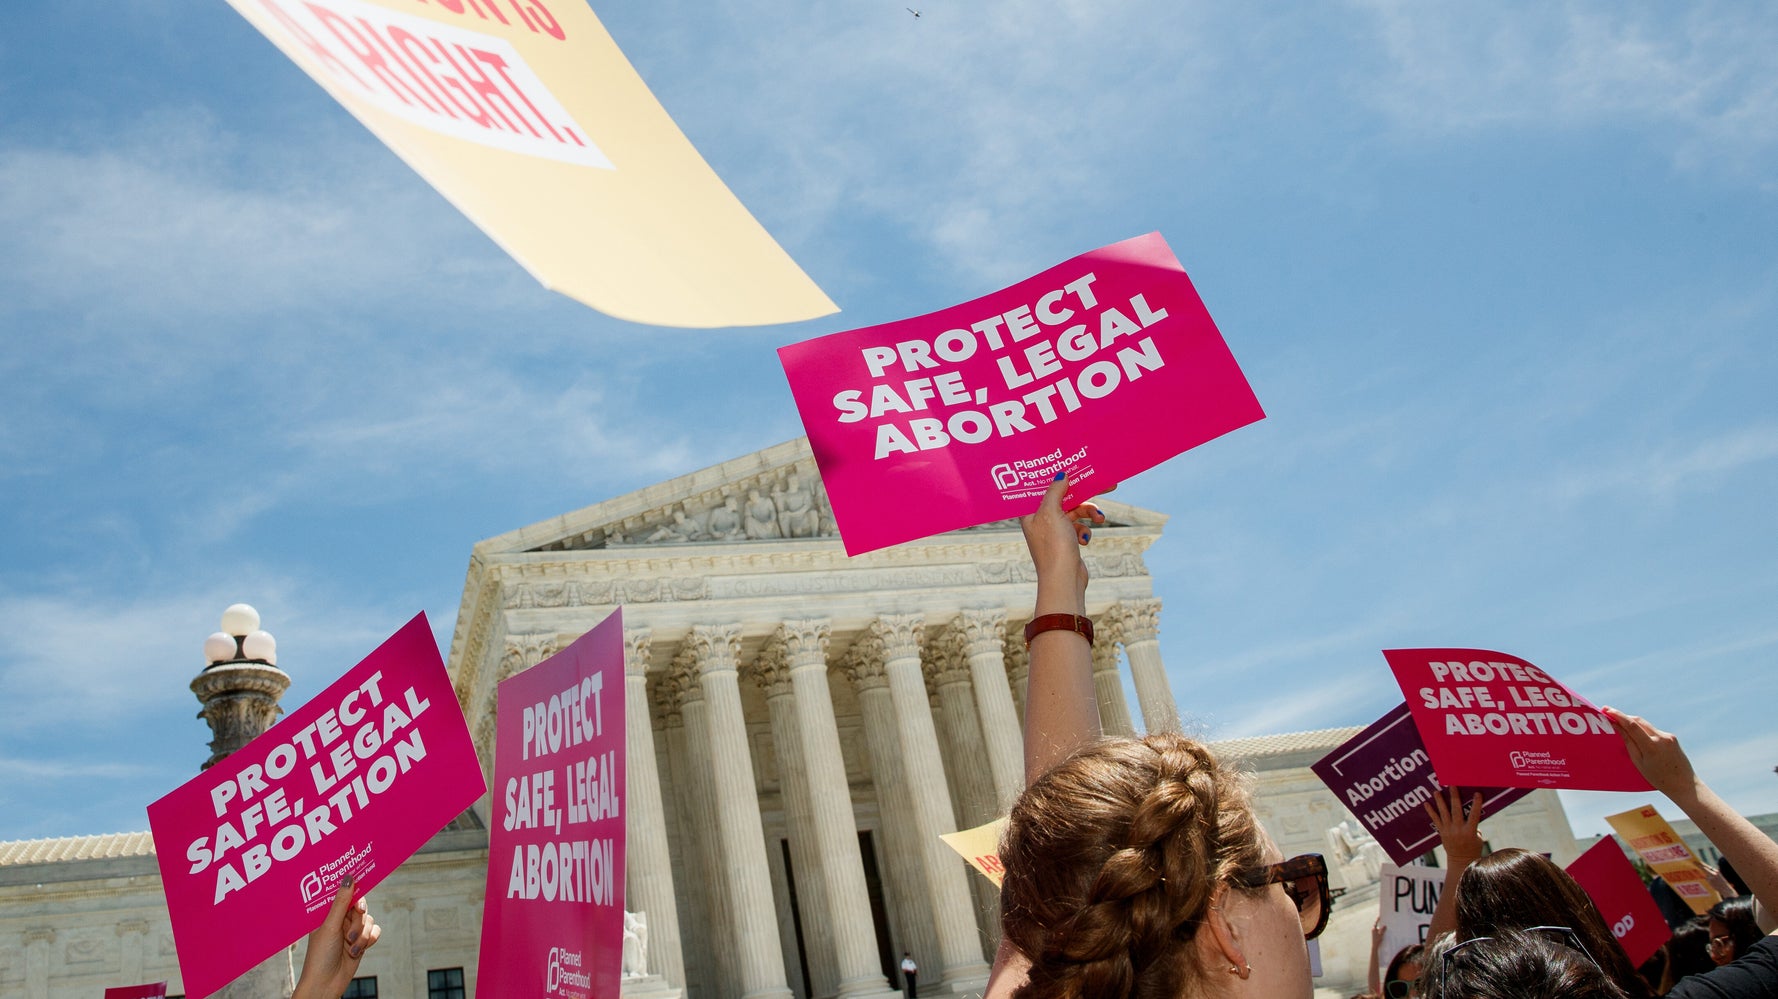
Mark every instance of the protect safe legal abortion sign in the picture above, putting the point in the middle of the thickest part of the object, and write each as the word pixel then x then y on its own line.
pixel 1494 720
pixel 553 926
pixel 252 850
pixel 1386 778
pixel 1100 367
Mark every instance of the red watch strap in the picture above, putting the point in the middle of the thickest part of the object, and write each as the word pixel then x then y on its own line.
pixel 1082 626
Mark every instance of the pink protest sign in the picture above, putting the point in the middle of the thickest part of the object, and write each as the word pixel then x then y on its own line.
pixel 1102 367
pixel 252 850
pixel 554 922
pixel 156 991
pixel 1385 777
pixel 1620 896
pixel 1493 720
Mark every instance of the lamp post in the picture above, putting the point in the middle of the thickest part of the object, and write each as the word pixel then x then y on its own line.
pixel 239 689
pixel 240 686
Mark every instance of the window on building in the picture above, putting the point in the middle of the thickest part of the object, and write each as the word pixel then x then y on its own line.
pixel 444 983
pixel 361 988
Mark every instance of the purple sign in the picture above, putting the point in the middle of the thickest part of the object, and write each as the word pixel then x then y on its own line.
pixel 1385 777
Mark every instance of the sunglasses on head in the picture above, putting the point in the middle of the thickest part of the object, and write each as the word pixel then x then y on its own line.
pixel 1558 934
pixel 1400 988
pixel 1304 879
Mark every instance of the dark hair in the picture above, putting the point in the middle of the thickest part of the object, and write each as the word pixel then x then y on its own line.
pixel 1514 889
pixel 1515 965
pixel 1737 914
pixel 1688 952
pixel 1411 954
pixel 1112 859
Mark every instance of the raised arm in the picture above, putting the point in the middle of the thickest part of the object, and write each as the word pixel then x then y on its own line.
pixel 1665 766
pixel 1461 836
pixel 1061 711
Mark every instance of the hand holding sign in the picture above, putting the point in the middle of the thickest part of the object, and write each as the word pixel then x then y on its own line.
pixel 1490 719
pixel 1656 754
pixel 336 947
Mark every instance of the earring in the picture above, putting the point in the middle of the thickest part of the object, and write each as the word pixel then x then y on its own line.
pixel 1243 971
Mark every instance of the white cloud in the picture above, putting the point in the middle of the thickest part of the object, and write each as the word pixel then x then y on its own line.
pixel 986 124
pixel 1707 72
pixel 173 222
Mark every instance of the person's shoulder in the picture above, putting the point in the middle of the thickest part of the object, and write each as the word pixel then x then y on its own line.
pixel 1753 976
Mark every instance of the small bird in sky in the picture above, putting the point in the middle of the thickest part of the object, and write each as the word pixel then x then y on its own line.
pixel 912 11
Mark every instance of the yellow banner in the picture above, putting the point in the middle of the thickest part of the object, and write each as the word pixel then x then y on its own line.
pixel 526 116
pixel 981 847
pixel 1662 849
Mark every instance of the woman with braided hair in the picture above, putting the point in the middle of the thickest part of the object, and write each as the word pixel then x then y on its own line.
pixel 1134 867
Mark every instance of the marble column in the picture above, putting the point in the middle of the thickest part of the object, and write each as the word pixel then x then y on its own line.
pixel 905 868
pixel 771 671
pixel 698 786
pixel 960 949
pixel 804 644
pixel 648 868
pixel 1140 626
pixel 1108 684
pixel 37 941
pixel 1018 675
pixel 983 633
pixel 946 664
pixel 948 667
pixel 751 909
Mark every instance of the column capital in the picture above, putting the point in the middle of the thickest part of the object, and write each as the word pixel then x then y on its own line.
pixel 526 650
pixel 638 643
pixel 1018 658
pixel 947 659
pixel 1107 633
pixel 805 641
pixel 127 927
pixel 771 669
pixel 716 647
pixel 40 935
pixel 666 700
pixel 1139 620
pixel 900 635
pixel 983 629
pixel 682 680
pixel 863 663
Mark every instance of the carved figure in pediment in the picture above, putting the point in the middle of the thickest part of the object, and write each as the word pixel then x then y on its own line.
pixel 796 509
pixel 682 528
pixel 725 521
pixel 761 516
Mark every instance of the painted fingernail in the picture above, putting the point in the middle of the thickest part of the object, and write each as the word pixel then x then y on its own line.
pixel 356 953
pixel 348 881
pixel 350 937
pixel 1086 535
pixel 1059 476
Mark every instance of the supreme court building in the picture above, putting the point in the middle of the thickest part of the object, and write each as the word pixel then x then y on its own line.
pixel 802 727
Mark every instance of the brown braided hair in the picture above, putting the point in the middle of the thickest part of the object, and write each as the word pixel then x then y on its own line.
pixel 1112 859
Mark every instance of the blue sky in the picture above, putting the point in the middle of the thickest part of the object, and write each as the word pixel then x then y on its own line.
pixel 1505 278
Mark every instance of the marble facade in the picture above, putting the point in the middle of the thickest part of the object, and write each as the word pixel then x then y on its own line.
pixel 801 728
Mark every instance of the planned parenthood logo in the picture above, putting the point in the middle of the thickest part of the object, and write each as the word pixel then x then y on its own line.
pixel 565 974
pixel 1030 477
pixel 1546 768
